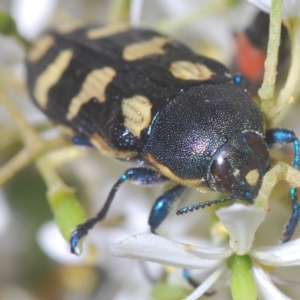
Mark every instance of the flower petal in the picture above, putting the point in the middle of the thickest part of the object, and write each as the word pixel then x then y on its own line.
pixel 265 287
pixel 94 249
pixel 136 9
pixel 264 5
pixel 241 222
pixel 286 254
pixel 291 8
pixel 53 244
pixel 218 253
pixel 207 283
pixel 158 249
pixel 32 16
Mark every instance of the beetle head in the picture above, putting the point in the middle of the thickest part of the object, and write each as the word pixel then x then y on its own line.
pixel 239 166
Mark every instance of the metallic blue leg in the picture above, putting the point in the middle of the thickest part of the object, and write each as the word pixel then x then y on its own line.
pixel 277 137
pixel 163 205
pixel 142 176
pixel 160 210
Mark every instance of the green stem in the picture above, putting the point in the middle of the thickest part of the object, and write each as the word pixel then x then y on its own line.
pixel 34 145
pixel 8 27
pixel 293 79
pixel 54 159
pixel 21 40
pixel 279 172
pixel 29 136
pixel 267 90
pixel 67 211
pixel 118 11
pixel 26 156
pixel 15 164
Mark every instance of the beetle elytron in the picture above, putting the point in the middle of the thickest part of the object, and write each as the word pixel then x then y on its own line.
pixel 134 93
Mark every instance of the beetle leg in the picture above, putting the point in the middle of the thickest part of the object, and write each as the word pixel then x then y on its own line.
pixel 277 137
pixel 163 205
pixel 160 210
pixel 142 176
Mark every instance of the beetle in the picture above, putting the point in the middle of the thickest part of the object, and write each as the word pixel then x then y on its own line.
pixel 135 94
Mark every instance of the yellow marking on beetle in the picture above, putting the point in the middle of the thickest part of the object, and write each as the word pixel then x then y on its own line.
pixel 252 177
pixel 40 48
pixel 198 183
pixel 100 144
pixel 69 27
pixel 93 87
pixel 51 76
pixel 145 48
pixel 137 113
pixel 102 32
pixel 187 70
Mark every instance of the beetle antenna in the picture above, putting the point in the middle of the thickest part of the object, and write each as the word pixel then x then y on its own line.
pixel 190 208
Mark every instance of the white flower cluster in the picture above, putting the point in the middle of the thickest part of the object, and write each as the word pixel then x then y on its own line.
pixel 241 223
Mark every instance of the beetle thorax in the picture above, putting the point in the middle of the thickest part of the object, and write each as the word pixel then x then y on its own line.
pixel 187 133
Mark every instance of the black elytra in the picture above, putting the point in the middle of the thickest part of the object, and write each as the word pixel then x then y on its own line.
pixel 136 94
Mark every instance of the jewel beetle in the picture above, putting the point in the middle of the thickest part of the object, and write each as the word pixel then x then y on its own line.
pixel 135 94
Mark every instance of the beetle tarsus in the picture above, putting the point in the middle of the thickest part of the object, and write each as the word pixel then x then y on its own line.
pixel 292 223
pixel 80 232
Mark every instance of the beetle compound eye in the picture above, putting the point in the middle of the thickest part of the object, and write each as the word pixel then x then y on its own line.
pixel 259 147
pixel 221 175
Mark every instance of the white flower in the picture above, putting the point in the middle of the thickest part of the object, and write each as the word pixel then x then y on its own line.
pixel 32 16
pixel 95 253
pixel 241 223
pixel 291 8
